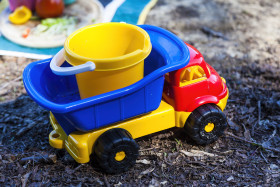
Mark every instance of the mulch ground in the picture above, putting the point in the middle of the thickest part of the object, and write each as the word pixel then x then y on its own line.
pixel 241 40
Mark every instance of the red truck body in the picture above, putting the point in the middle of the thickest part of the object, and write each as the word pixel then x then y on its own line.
pixel 209 89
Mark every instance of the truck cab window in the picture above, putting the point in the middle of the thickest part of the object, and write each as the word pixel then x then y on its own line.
pixel 191 75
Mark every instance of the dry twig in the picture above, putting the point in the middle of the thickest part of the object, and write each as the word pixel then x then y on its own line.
pixel 78 167
pixel 106 181
pixel 43 158
pixel 198 153
pixel 264 157
pixel 3 132
pixel 10 83
pixel 251 142
pixel 147 171
pixel 259 112
pixel 211 32
pixel 272 135
pixel 144 161
pixel 148 149
pixel 247 134
pixel 25 179
pixel 25 129
pixel 259 119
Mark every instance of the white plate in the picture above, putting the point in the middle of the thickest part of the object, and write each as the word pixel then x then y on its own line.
pixel 87 12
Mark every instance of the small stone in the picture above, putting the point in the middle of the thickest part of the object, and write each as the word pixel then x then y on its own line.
pixel 231 178
pixel 274 167
pixel 100 182
pixel 117 185
pixel 275 175
pixel 154 183
pixel 278 103
pixel 163 182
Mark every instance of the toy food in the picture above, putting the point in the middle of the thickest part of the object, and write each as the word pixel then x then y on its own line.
pixel 13 4
pixel 49 8
pixel 26 33
pixel 21 15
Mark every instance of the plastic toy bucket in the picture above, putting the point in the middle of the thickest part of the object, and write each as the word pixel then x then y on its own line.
pixel 118 51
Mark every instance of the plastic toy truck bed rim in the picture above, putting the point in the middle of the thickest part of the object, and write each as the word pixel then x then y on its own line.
pixel 176 57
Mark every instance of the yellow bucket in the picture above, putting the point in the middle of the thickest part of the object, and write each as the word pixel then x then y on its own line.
pixel 118 51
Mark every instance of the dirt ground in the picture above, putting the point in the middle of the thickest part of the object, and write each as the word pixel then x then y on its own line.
pixel 241 39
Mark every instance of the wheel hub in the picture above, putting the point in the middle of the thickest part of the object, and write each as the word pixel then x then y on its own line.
pixel 120 156
pixel 209 127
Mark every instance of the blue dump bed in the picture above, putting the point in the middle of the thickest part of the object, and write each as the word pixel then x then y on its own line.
pixel 60 95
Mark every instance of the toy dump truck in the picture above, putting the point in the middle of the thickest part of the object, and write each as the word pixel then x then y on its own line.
pixel 178 89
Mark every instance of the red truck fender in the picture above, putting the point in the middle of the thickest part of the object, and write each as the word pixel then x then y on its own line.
pixel 202 101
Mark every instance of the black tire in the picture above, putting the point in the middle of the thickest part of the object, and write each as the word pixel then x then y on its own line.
pixel 195 125
pixel 109 144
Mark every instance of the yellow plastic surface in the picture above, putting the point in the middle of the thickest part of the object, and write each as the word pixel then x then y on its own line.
pixel 191 75
pixel 118 51
pixel 80 144
pixel 97 82
pixel 21 15
pixel 110 46
pixel 223 102
pixel 145 12
pixel 120 156
pixel 223 79
pixel 181 118
pixel 57 136
pixel 209 127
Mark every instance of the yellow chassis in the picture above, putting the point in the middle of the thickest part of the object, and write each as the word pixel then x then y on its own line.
pixel 80 144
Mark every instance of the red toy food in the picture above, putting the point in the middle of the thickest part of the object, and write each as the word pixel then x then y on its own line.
pixel 49 8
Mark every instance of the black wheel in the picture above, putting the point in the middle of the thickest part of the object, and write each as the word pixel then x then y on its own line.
pixel 115 151
pixel 206 124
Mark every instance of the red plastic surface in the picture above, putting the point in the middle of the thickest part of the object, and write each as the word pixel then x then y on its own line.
pixel 189 97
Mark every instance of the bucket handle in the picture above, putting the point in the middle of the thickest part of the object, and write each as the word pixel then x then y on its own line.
pixel 59 59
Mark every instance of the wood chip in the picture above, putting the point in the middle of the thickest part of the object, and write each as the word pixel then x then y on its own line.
pixel 42 158
pixel 144 161
pixel 147 171
pixel 25 129
pixel 24 179
pixel 231 178
pixel 196 153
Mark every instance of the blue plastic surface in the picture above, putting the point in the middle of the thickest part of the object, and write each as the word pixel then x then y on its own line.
pixel 60 95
